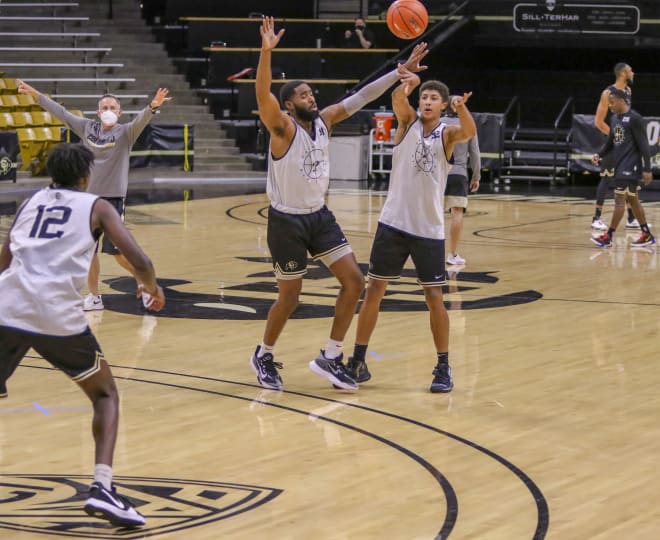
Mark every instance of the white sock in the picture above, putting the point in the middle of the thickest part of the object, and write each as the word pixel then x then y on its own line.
pixel 265 349
pixel 333 349
pixel 103 475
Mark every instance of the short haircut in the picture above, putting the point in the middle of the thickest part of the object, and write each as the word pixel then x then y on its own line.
pixel 619 68
pixel 288 90
pixel 438 86
pixel 109 96
pixel 69 163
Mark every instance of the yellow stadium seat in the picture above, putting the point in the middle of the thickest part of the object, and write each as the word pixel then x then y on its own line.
pixel 44 118
pixel 9 103
pixel 31 146
pixel 8 86
pixel 7 121
pixel 22 119
pixel 27 103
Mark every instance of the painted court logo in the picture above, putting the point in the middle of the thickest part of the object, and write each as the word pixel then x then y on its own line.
pixel 53 505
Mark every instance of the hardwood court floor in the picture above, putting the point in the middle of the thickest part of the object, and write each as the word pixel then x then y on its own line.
pixel 550 432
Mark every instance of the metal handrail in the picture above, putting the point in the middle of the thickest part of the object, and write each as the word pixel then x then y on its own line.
pixel 503 121
pixel 569 105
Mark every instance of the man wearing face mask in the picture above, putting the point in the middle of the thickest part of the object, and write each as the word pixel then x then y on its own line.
pixel 111 144
pixel 359 38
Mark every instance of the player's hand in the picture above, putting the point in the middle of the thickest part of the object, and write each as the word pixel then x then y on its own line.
pixel 474 185
pixel 269 39
pixel 417 55
pixel 460 101
pixel 407 78
pixel 595 159
pixel 154 301
pixel 160 98
pixel 647 178
pixel 25 88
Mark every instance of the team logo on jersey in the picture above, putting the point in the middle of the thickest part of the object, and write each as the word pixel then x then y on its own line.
pixel 619 134
pixel 53 505
pixel 424 157
pixel 314 165
pixel 251 299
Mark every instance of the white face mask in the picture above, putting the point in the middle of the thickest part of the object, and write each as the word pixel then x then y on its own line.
pixel 108 118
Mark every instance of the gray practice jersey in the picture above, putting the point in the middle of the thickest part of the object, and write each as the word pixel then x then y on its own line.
pixel 464 151
pixel 298 181
pixel 52 246
pixel 415 198
pixel 112 148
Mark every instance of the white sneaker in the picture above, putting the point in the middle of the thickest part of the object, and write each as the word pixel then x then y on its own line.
pixel 92 302
pixel 634 224
pixel 598 225
pixel 455 258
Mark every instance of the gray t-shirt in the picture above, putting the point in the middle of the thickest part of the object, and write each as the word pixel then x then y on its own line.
pixel 463 151
pixel 112 147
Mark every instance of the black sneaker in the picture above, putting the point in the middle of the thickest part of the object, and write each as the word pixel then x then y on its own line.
pixel 333 370
pixel 3 389
pixel 442 382
pixel 266 369
pixel 111 506
pixel 358 370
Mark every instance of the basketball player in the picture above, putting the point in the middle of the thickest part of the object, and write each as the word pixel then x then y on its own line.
pixel 411 222
pixel 628 147
pixel 624 77
pixel 43 264
pixel 298 219
pixel 456 193
pixel 111 144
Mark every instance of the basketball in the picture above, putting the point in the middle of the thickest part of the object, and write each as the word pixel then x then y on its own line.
pixel 407 19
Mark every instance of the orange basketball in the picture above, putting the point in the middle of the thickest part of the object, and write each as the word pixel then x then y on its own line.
pixel 407 19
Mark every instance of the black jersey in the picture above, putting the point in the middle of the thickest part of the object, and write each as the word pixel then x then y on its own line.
pixel 627 147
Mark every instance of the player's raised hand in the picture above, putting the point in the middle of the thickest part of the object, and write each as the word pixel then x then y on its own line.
pixel 160 98
pixel 269 39
pixel 408 79
pixel 416 56
pixel 460 101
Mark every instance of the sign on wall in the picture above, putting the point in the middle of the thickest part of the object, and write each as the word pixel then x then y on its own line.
pixel 557 16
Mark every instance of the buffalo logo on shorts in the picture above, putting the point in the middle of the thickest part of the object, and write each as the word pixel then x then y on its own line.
pixel 291 266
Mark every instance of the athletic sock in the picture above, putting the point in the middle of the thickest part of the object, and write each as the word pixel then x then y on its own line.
pixel 443 358
pixel 359 352
pixel 610 232
pixel 265 349
pixel 645 228
pixel 103 475
pixel 597 214
pixel 333 349
pixel 631 216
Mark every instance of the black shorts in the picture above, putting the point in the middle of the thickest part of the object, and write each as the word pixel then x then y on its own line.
pixel 456 192
pixel 390 252
pixel 78 356
pixel 291 236
pixel 106 245
pixel 607 165
pixel 625 186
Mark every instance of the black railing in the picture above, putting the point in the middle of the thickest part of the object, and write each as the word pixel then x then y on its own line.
pixel 568 106
pixel 514 104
